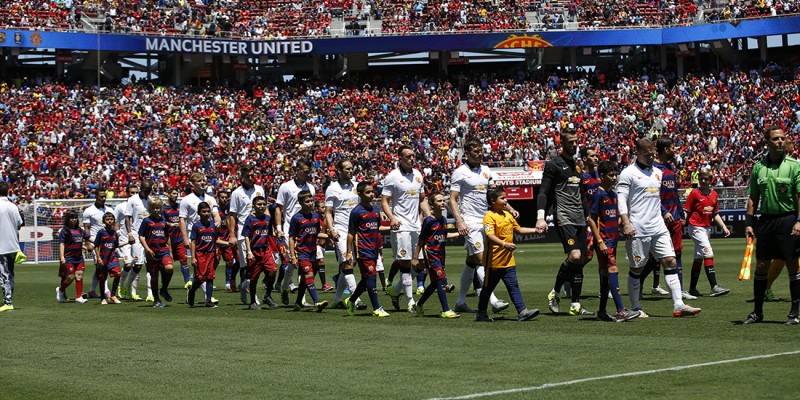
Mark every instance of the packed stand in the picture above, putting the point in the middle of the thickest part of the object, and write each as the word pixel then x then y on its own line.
pixel 632 13
pixel 61 141
pixel 403 16
pixel 738 9
pixel 38 14
pixel 716 120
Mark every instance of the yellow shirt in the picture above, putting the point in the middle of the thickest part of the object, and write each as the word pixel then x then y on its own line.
pixel 502 226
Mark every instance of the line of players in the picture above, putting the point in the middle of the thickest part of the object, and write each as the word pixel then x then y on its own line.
pixel 402 202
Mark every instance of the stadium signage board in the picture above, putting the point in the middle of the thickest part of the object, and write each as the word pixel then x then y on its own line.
pixel 429 42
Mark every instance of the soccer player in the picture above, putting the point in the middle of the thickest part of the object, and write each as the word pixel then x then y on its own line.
pixel 106 242
pixel 188 209
pixel 72 240
pixel 319 267
pixel 561 186
pixel 157 249
pixel 304 231
pixel 431 243
pixel 135 212
pixel 256 232
pixel 468 186
pixel 364 237
pixel 242 207
pixel 287 206
pixel 92 222
pixel 205 239
pixel 225 251
pixel 672 212
pixel 639 202
pixel 499 259
pixel 10 222
pixel 590 181
pixel 125 245
pixel 702 207
pixel 604 223
pixel 402 199
pixel 775 190
pixel 172 215
pixel 341 198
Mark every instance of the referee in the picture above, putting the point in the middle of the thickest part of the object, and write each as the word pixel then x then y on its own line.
pixel 775 184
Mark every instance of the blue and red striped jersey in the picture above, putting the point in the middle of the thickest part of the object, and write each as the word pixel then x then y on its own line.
pixel 107 242
pixel 605 213
pixel 204 236
pixel 590 183
pixel 304 228
pixel 73 243
pixel 222 230
pixel 171 215
pixel 257 230
pixel 153 229
pixel 670 200
pixel 364 224
pixel 434 234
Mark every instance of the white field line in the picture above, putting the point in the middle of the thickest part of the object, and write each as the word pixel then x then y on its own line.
pixel 598 378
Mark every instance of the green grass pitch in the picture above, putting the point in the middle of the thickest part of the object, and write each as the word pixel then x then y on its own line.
pixel 70 350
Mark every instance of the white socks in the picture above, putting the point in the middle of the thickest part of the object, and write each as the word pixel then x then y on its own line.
pixel 674 284
pixel 466 283
pixel 634 291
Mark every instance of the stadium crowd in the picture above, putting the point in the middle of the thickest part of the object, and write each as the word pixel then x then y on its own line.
pixel 436 15
pixel 602 13
pixel 61 141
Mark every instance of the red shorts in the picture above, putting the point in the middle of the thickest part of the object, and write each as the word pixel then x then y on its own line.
pixel 436 274
pixel 305 267
pixel 605 261
pixel 206 266
pixel 676 233
pixel 227 253
pixel 112 272
pixel 69 268
pixel 367 267
pixel 157 264
pixel 178 249
pixel 262 262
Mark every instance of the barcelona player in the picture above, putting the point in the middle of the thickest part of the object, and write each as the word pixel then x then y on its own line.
pixel 106 242
pixel 304 230
pixel 157 250
pixel 256 231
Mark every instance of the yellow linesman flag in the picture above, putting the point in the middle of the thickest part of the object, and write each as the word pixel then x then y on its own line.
pixel 744 273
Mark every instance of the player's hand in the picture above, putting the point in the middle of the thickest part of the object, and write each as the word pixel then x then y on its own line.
pixel 131 240
pixel 63 260
pixel 514 213
pixel 461 227
pixel 541 226
pixel 669 219
pixel 232 241
pixel 750 233
pixel 602 248
pixel 726 231
pixel 89 246
pixel 279 234
pixel 395 223
pixel 187 243
pixel 194 262
pixel 628 230
pixel 796 229
pixel 510 246
pixel 151 253
pixel 250 256
pixel 415 265
pixel 99 263
pixel 335 236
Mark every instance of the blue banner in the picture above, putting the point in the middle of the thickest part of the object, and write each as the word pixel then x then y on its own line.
pixel 434 42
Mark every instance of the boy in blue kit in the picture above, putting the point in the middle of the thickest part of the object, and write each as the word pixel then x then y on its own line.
pixel 604 223
pixel 304 231
pixel 204 241
pixel 257 233
pixel 431 242
pixel 105 249
pixel 500 227
pixel 157 250
pixel 364 237
pixel 71 243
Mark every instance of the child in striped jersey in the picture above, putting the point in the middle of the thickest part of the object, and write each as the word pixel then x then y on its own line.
pixel 256 230
pixel 431 243
pixel 157 249
pixel 364 236
pixel 105 248
pixel 304 231
pixel 604 223
pixel 72 241
pixel 204 241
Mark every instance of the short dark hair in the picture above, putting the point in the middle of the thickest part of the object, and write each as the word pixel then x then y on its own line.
pixel 606 167
pixel 306 163
pixel 109 214
pixel 4 187
pixel 99 189
pixel 568 132
pixel 402 148
pixel 246 168
pixel 340 163
pixel 303 195
pixel 770 129
pixel 663 143
pixel 259 198
pixel 643 143
pixel 433 194
pixel 362 186
pixel 493 193
pixel 471 144
pixel 203 206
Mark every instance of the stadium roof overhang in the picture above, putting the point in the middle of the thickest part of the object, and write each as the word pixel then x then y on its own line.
pixel 32 39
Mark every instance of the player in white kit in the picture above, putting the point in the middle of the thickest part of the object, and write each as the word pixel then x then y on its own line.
pixel 242 206
pixel 188 213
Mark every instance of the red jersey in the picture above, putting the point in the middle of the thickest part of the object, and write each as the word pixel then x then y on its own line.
pixel 701 207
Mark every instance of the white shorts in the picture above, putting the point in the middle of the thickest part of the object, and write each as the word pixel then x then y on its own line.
pixel 639 248
pixel 124 253
pixel 379 264
pixel 241 248
pixel 475 239
pixel 340 246
pixel 137 252
pixel 320 254
pixel 403 244
pixel 702 241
